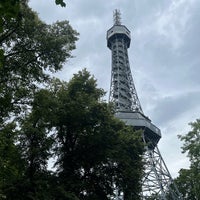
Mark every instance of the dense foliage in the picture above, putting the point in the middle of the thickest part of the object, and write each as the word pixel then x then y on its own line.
pixel 94 152
pixel 189 179
pixel 30 48
pixel 44 121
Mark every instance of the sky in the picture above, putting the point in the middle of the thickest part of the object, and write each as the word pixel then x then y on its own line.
pixel 164 58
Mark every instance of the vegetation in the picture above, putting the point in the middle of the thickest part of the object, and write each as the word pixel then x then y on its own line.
pixel 42 118
pixel 188 181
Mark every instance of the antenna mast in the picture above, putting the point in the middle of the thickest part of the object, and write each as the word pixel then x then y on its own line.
pixel 117 17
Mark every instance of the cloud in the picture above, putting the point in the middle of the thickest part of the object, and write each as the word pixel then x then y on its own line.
pixel 169 108
pixel 166 47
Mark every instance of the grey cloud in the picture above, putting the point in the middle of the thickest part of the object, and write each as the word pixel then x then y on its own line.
pixel 169 108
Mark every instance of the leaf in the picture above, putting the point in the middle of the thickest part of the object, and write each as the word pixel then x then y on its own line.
pixel 60 2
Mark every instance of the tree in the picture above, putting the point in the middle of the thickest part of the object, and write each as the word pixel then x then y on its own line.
pixel 31 49
pixel 189 179
pixel 35 144
pixel 96 152
pixel 10 9
pixel 192 143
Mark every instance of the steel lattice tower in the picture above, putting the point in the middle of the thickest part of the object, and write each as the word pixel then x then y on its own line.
pixel 157 182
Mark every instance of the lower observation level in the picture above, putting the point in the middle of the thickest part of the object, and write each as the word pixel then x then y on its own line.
pixel 151 133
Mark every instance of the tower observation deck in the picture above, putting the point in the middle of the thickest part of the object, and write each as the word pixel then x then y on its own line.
pixel 157 182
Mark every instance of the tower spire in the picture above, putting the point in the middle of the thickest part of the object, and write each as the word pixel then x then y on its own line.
pixel 157 182
pixel 117 17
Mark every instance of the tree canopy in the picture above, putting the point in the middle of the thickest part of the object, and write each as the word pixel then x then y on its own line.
pixel 188 180
pixel 95 153
pixel 31 49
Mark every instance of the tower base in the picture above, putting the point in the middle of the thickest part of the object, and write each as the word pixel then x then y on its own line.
pixel 157 182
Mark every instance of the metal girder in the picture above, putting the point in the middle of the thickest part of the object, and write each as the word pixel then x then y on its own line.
pixel 157 182
pixel 122 90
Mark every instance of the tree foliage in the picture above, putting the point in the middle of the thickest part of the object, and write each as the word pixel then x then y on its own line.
pixel 31 49
pixel 191 144
pixel 95 151
pixel 189 179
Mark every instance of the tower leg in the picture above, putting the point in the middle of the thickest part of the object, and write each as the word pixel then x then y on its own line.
pixel 157 181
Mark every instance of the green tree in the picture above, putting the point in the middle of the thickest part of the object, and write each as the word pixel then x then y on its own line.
pixel 96 152
pixel 34 144
pixel 31 49
pixel 189 179
pixel 60 2
pixel 8 9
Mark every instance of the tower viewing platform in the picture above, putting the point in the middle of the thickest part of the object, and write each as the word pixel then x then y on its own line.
pixel 118 30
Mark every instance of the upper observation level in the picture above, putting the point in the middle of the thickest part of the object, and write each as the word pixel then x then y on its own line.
pixel 118 31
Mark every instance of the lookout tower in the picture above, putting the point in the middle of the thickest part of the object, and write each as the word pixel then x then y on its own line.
pixel 157 182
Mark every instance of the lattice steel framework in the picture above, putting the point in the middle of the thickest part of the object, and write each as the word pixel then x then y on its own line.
pixel 122 89
pixel 157 182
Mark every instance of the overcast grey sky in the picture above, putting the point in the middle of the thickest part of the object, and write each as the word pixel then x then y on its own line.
pixel 164 57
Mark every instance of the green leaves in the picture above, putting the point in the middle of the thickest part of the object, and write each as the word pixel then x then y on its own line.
pixel 60 2
pixel 192 142
pixel 189 179
pixel 8 9
pixel 94 150
pixel 29 50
